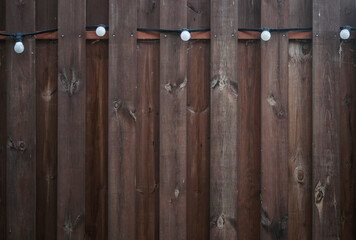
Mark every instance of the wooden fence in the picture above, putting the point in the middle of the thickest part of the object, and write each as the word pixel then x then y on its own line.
pixel 128 137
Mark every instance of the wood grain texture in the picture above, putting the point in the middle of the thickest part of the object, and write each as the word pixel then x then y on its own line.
pixel 122 119
pixel 3 114
pixel 21 125
pixel 96 140
pixel 274 123
pixel 46 139
pixel 96 165
pixel 249 125
pixel 223 121
pixel 300 141
pixel 326 120
pixel 198 123
pixel 147 168
pixel 147 135
pixel 249 136
pixel 173 122
pixel 71 119
pixel 46 123
pixel 299 125
pixel 347 125
pixel 198 119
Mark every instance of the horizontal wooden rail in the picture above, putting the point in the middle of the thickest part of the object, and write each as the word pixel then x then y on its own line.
pixel 243 35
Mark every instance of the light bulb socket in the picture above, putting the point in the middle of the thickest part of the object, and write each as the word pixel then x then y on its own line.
pixel 18 47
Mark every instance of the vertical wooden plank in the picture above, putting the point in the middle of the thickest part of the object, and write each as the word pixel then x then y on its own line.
pixel 96 168
pixel 46 139
pixel 249 125
pixel 173 125
pixel 223 121
pixel 274 123
pixel 326 120
pixel 122 119
pixel 21 125
pixel 46 123
pixel 147 188
pixel 96 141
pixel 147 135
pixel 2 140
pixel 348 125
pixel 198 122
pixel 249 137
pixel 299 126
pixel 71 119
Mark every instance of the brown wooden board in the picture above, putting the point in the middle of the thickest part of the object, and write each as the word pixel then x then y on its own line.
pixel 223 120
pixel 347 125
pixel 147 179
pixel 326 120
pixel 96 140
pixel 299 125
pixel 147 135
pixel 21 125
pixel 274 123
pixel 173 122
pixel 71 119
pixel 249 135
pixel 46 139
pixel 249 124
pixel 46 123
pixel 122 119
pixel 198 119
pixel 96 154
pixel 3 114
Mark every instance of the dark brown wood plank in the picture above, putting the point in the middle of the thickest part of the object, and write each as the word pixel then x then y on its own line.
pixel 299 125
pixel 3 114
pixel 21 125
pixel 173 125
pixel 96 140
pixel 198 119
pixel 96 165
pixel 71 119
pixel 249 137
pixel 46 139
pixel 348 125
pixel 2 14
pixel 147 135
pixel 274 123
pixel 326 120
pixel 249 125
pixel 300 141
pixel 122 119
pixel 46 123
pixel 147 180
pixel 223 120
pixel 198 123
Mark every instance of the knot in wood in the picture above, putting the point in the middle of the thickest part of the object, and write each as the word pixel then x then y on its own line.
pixel 319 196
pixel 299 174
pixel 21 146
pixel 220 222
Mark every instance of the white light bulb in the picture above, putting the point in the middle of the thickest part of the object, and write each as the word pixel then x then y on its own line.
pixel 185 35
pixel 19 47
pixel 345 33
pixel 100 31
pixel 265 35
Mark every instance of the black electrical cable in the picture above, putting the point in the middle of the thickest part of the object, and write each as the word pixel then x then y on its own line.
pixel 28 34
pixel 172 30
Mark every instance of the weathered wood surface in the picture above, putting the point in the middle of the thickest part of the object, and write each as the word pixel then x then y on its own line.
pixel 299 126
pixel 347 125
pixel 198 119
pixel 46 123
pixel 147 135
pixel 21 125
pixel 173 122
pixel 122 119
pixel 96 154
pixel 223 121
pixel 326 120
pixel 71 120
pixel 274 123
